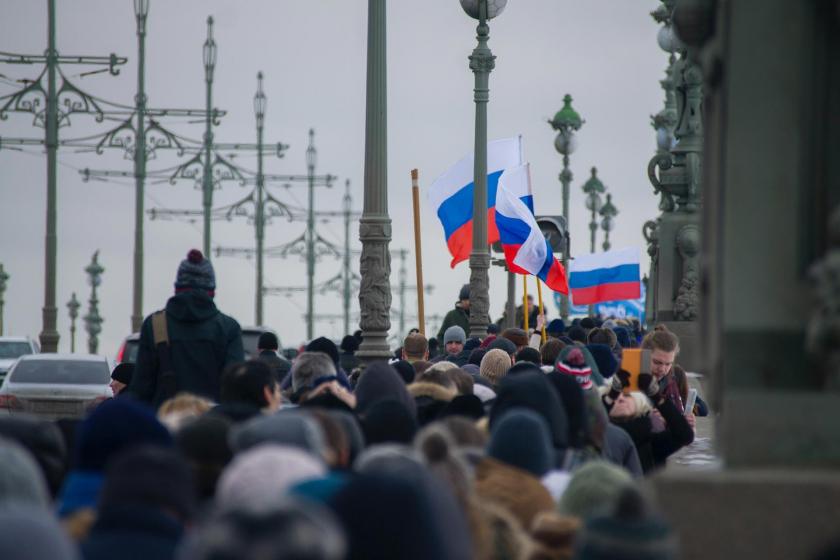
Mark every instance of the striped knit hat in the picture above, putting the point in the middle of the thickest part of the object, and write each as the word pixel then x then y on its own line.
pixel 574 364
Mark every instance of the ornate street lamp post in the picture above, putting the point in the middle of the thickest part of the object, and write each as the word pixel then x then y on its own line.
pixel 593 188
pixel 608 213
pixel 375 224
pixel 141 11
pixel 93 321
pixel 260 103
pixel 4 277
pixel 566 121
pixel 209 56
pixel 482 63
pixel 73 310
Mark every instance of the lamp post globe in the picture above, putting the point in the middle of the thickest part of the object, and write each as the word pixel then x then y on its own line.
pixel 209 51
pixel 494 7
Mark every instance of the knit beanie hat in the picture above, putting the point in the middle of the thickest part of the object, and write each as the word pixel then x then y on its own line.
pixel 44 440
pixel 604 359
pixel 626 533
pixel 258 479
pixel 577 334
pixel 488 340
pixel 21 480
pixel 325 345
pixel 555 327
pixel 521 439
pixel 149 476
pixel 454 334
pixel 204 443
pixel 476 356
pixel 594 489
pixel 388 421
pixel 529 354
pixel 503 344
pixel 518 336
pixel 195 273
pixel 113 426
pixel 494 365
pixel 465 292
pixel 123 373
pixel 291 427
pixel 574 364
pixel 622 335
pixel 33 533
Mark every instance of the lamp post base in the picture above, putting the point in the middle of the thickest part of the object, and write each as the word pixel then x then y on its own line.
pixel 479 294
pixel 49 336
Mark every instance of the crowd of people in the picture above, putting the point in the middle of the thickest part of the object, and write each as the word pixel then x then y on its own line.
pixel 510 447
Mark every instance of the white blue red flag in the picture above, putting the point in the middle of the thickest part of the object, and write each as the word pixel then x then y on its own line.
pixel 607 276
pixel 526 249
pixel 451 196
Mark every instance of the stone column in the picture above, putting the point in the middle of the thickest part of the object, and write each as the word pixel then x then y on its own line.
pixel 769 263
pixel 375 224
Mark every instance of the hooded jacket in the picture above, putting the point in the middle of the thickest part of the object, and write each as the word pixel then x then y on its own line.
pixel 530 389
pixel 202 341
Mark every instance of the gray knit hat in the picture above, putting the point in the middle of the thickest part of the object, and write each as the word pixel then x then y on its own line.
pixel 21 480
pixel 454 334
pixel 195 272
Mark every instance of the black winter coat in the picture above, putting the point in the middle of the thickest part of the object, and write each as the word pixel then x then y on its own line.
pixel 655 447
pixel 202 340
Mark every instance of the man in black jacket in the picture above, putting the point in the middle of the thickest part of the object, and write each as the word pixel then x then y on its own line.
pixel 267 346
pixel 201 340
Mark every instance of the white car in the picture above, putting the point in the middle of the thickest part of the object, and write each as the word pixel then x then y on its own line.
pixel 56 385
pixel 12 348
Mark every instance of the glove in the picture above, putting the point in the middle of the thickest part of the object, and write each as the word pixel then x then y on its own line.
pixel 648 385
pixel 620 380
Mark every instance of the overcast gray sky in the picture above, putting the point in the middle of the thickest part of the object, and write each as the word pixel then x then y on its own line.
pixel 312 53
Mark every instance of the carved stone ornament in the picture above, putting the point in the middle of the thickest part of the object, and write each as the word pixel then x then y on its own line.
pixel 687 301
pixel 375 288
pixel 823 334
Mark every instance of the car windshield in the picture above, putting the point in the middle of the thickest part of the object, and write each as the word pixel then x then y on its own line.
pixel 61 372
pixel 11 350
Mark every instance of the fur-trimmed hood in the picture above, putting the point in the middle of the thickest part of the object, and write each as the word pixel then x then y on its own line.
pixel 432 391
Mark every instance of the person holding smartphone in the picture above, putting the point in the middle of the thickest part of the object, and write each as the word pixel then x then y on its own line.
pixel 657 427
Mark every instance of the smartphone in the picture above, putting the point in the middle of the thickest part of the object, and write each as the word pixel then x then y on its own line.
pixel 635 361
pixel 690 400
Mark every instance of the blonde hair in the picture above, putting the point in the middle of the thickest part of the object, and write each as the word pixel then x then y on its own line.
pixel 643 405
pixel 174 412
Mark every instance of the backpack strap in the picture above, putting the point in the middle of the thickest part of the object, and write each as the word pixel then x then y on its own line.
pixel 166 374
pixel 159 330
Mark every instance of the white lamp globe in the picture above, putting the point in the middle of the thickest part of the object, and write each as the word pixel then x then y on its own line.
pixel 494 7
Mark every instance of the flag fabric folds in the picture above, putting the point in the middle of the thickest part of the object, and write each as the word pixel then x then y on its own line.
pixel 451 196
pixel 526 249
pixel 608 276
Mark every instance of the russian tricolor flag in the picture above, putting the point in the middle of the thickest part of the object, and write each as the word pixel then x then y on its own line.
pixel 526 249
pixel 608 276
pixel 451 196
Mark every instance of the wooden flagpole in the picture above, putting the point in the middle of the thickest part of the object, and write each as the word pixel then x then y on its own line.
pixel 418 254
pixel 525 299
pixel 539 295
